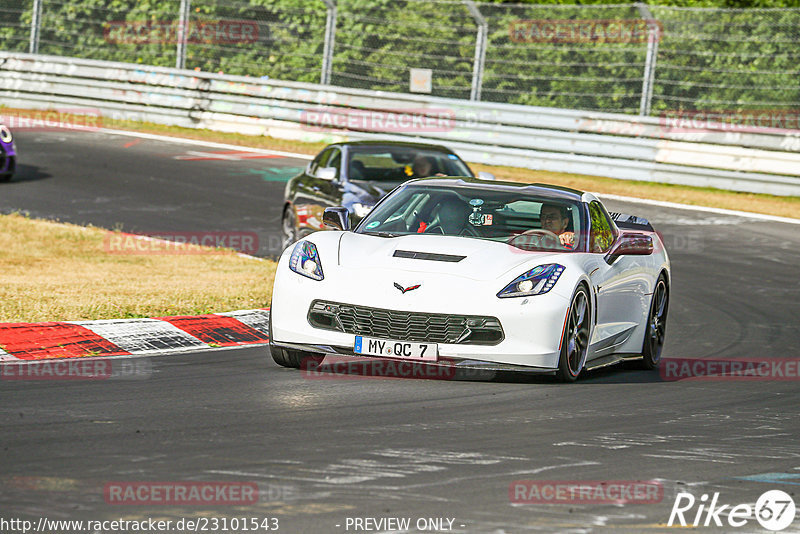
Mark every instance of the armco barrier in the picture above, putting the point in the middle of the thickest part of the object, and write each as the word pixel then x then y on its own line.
pixel 601 144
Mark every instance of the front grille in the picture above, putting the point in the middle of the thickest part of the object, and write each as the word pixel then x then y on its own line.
pixel 405 325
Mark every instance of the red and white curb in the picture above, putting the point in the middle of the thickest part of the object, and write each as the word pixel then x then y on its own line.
pixel 122 337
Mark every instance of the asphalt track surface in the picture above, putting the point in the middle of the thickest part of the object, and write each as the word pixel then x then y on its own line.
pixel 325 450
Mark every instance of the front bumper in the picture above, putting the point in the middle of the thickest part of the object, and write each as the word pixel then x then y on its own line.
pixel 532 326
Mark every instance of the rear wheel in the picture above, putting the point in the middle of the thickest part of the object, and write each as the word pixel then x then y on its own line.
pixel 575 344
pixel 656 325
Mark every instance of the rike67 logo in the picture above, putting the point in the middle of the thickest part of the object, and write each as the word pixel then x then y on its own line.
pixel 774 510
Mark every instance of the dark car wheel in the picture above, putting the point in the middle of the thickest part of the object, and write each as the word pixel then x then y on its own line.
pixel 294 359
pixel 288 228
pixel 656 325
pixel 575 344
pixel 290 358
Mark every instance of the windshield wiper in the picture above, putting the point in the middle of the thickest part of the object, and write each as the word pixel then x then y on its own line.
pixel 382 234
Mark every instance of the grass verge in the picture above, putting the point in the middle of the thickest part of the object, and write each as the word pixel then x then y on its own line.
pixel 55 271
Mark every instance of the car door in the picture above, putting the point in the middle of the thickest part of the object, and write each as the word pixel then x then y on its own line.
pixel 315 193
pixel 619 286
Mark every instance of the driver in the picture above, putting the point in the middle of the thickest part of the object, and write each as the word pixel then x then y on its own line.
pixel 555 218
pixel 451 218
pixel 422 167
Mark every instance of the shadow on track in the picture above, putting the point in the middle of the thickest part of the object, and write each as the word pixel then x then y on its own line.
pixel 28 173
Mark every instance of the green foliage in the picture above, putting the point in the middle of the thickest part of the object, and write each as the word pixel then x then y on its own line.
pixel 707 58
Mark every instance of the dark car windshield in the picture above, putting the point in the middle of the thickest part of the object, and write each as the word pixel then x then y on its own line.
pixel 399 163
pixel 526 221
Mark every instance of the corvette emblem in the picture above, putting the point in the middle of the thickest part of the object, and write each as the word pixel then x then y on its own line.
pixel 403 290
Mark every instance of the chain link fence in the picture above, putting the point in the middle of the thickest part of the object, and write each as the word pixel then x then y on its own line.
pixel 629 58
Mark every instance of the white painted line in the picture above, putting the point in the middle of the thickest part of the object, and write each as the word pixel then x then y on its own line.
pixel 690 207
pixel 143 336
pixel 662 203
pixel 6 357
pixel 211 144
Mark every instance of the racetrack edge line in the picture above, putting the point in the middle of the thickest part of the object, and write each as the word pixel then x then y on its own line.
pixel 621 198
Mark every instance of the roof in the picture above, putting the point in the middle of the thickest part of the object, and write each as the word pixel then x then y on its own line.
pixel 547 190
pixel 394 143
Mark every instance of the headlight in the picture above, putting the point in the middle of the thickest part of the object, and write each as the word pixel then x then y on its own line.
pixel 361 210
pixel 537 281
pixel 305 260
pixel 5 134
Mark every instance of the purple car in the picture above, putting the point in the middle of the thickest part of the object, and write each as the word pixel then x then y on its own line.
pixel 8 154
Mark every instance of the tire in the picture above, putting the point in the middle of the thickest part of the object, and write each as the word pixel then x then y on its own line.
pixel 288 228
pixel 656 330
pixel 575 345
pixel 292 359
pixel 6 177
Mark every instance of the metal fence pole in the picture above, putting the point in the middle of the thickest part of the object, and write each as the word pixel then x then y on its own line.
pixel 183 34
pixel 480 50
pixel 653 35
pixel 330 40
pixel 36 24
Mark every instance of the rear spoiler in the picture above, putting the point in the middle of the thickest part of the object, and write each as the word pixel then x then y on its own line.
pixel 631 222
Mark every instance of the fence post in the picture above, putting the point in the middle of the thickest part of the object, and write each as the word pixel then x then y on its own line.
pixel 36 24
pixel 330 40
pixel 183 34
pixel 653 35
pixel 480 50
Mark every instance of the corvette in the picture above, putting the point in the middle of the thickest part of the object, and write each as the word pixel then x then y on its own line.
pixel 479 275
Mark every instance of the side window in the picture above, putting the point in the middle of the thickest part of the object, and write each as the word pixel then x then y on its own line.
pixel 319 162
pixel 602 234
pixel 335 160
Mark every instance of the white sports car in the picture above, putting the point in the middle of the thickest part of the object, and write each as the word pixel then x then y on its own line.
pixel 476 274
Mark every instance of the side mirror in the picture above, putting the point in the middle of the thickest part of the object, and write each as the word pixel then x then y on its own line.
pixel 486 175
pixel 630 244
pixel 327 173
pixel 337 217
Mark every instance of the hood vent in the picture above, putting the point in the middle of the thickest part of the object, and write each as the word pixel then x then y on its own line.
pixel 431 256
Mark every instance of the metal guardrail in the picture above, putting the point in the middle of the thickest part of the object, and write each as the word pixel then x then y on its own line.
pixel 600 144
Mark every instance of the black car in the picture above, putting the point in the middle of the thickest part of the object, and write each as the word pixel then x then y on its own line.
pixel 357 175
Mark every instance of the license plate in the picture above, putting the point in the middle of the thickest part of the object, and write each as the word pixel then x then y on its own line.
pixel 423 352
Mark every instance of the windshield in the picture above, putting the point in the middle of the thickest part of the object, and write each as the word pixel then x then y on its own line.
pixel 525 221
pixel 401 163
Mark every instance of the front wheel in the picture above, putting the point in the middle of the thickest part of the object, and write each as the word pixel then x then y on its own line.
pixel 288 229
pixel 656 325
pixel 575 344
pixel 293 359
